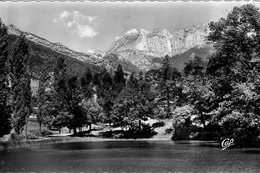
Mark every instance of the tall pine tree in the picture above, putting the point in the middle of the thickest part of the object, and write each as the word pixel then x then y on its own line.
pixel 20 84
pixel 44 93
pixel 74 92
pixel 167 86
pixel 106 95
pixel 5 114
pixel 60 100
pixel 87 84
pixel 135 103
pixel 119 80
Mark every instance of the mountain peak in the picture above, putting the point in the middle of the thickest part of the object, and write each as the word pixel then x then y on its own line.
pixel 131 32
pixel 141 47
pixel 162 32
pixel 14 30
pixel 98 53
pixel 144 31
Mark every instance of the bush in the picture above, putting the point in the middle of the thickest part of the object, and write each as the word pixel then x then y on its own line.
pixel 32 136
pixel 16 137
pixel 184 132
pixel 34 133
pixel 168 131
pixel 181 133
pixel 112 134
pixel 158 124
pixel 146 132
pixel 243 127
pixel 46 132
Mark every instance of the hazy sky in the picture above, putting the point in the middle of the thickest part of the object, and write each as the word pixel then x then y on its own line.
pixel 84 25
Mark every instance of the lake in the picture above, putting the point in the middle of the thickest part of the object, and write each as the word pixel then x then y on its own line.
pixel 131 156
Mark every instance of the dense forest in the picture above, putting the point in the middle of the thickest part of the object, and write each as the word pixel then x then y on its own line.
pixel 211 99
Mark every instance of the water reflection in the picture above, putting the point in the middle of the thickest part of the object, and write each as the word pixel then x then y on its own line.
pixel 132 156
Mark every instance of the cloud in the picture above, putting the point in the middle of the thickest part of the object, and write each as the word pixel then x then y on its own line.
pixel 78 23
pixel 64 15
pixel 54 20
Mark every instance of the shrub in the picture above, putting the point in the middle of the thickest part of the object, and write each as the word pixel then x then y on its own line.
pixel 147 131
pixel 182 124
pixel 158 124
pixel 168 131
pixel 16 137
pixel 46 132
pixel 243 127
pixel 32 136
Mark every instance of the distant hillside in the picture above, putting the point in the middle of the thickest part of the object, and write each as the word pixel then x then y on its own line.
pixel 41 48
pixel 115 61
pixel 178 61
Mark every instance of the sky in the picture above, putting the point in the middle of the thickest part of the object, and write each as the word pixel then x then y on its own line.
pixel 86 25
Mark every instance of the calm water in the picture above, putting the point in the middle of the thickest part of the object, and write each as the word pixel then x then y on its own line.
pixel 132 156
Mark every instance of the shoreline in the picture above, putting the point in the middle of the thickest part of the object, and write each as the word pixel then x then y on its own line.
pixel 30 143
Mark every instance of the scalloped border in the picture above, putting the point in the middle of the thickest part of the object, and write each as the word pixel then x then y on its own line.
pixel 131 1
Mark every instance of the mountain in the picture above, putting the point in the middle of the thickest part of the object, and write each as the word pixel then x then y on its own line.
pixel 145 49
pixel 136 50
pixel 178 61
pixel 41 48
pixel 95 52
pixel 57 47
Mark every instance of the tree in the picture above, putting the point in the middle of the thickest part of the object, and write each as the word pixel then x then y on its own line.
pixel 60 101
pixel 88 89
pixel 92 111
pixel 182 121
pixel 44 93
pixel 96 79
pixel 132 81
pixel 87 84
pixel 135 103
pixel 121 109
pixel 70 112
pixel 20 84
pixel 238 114
pixel 234 73
pixel 70 92
pixel 5 112
pixel 74 107
pixel 201 96
pixel 119 80
pixel 106 94
pixel 196 66
pixel 235 39
pixel 167 85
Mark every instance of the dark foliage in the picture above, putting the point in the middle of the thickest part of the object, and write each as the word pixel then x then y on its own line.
pixel 20 84
pixel 44 94
pixel 5 111
pixel 195 66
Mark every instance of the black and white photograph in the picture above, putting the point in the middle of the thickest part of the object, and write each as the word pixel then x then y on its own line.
pixel 130 87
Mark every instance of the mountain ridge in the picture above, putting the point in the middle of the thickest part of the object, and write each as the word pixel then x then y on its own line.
pixel 140 47
pixel 136 50
pixel 58 47
pixel 41 48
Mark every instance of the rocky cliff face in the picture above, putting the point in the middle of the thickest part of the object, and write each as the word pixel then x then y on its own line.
pixel 95 52
pixel 140 47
